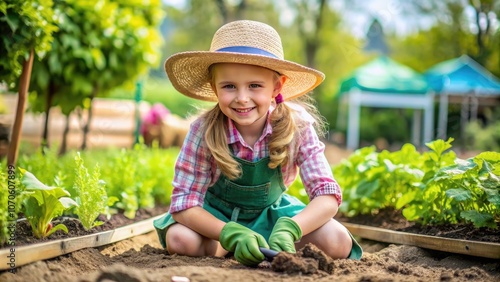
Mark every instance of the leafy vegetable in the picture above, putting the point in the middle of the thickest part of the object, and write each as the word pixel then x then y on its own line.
pixel 42 203
pixel 4 212
pixel 91 195
pixel 433 187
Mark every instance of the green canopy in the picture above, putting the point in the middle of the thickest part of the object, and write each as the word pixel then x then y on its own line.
pixel 467 83
pixel 385 83
pixel 386 76
pixel 462 76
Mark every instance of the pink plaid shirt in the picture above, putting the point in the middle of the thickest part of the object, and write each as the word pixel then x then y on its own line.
pixel 196 170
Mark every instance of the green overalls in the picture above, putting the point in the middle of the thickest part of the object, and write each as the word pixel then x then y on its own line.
pixel 255 200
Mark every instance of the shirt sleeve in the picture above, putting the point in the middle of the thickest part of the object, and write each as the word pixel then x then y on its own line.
pixel 193 171
pixel 315 171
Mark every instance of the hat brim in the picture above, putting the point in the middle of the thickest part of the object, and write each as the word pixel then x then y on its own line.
pixel 188 73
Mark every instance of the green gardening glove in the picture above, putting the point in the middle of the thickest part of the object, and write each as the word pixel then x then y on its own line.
pixel 243 242
pixel 284 234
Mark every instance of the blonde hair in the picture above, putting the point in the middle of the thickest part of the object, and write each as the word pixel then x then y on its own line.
pixel 286 125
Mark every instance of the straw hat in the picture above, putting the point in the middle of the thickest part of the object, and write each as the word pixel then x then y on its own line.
pixel 245 42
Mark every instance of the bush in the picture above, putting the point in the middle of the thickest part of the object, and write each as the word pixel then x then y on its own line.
pixel 483 138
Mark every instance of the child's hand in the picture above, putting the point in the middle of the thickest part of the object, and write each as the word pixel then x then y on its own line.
pixel 284 234
pixel 243 242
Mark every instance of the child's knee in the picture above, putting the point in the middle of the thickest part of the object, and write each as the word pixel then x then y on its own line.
pixel 335 240
pixel 341 247
pixel 183 241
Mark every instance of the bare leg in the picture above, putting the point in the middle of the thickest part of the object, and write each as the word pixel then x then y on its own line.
pixel 332 238
pixel 184 241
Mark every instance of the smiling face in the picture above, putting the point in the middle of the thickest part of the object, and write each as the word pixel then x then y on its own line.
pixel 245 93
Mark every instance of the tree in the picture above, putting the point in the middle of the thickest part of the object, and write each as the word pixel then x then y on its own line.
pixel 309 20
pixel 453 34
pixel 100 45
pixel 19 21
pixel 486 12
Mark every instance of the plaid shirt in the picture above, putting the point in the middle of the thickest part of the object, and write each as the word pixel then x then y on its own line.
pixel 196 170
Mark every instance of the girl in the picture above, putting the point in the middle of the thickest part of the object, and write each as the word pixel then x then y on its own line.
pixel 238 158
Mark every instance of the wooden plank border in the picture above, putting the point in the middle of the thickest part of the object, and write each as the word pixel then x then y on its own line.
pixel 31 253
pixel 466 247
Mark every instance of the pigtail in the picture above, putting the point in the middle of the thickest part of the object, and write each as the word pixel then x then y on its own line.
pixel 215 123
pixel 284 128
pixel 288 124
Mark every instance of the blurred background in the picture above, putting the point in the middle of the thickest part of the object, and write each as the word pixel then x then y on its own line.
pixel 397 71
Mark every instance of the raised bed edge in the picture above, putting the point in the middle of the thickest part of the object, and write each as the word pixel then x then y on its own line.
pixel 466 247
pixel 41 251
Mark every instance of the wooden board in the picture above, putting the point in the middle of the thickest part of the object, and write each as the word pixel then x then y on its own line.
pixel 42 251
pixel 466 247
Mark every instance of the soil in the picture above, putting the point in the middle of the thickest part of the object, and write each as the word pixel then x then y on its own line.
pixel 24 234
pixel 394 220
pixel 141 258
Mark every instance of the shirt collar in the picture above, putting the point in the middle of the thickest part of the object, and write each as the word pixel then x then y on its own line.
pixel 235 136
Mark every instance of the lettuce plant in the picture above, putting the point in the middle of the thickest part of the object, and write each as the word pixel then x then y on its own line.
pixel 42 203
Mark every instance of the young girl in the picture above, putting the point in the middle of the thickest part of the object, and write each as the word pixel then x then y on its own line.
pixel 239 157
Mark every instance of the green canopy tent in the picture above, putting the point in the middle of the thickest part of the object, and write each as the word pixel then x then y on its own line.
pixel 385 83
pixel 462 81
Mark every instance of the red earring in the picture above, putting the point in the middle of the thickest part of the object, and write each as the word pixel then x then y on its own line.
pixel 279 99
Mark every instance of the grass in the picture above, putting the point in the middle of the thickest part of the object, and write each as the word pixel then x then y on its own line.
pixel 160 90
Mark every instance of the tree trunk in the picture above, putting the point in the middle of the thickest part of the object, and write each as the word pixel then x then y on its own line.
pixel 86 128
pixel 24 82
pixel 64 143
pixel 311 38
pixel 48 107
pixel 223 10
pixel 231 15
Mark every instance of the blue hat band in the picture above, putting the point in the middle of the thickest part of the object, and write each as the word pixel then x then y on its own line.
pixel 247 50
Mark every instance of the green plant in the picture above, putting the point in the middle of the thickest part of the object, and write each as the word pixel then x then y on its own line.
pixel 297 190
pixel 471 191
pixel 483 138
pixel 42 203
pixel 10 200
pixel 124 185
pixel 135 178
pixel 91 196
pixel 433 187
pixel 45 163
pixel 161 168
pixel 4 204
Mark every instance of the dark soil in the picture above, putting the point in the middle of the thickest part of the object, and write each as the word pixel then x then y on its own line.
pixel 308 260
pixel 24 234
pixel 394 220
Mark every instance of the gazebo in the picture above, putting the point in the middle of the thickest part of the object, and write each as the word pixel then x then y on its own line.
pixel 385 83
pixel 462 81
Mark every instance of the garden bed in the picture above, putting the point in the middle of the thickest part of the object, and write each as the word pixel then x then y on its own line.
pixel 390 226
pixel 394 220
pixel 141 258
pixel 24 235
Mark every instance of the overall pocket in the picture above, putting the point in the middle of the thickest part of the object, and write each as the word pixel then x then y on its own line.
pixel 246 197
